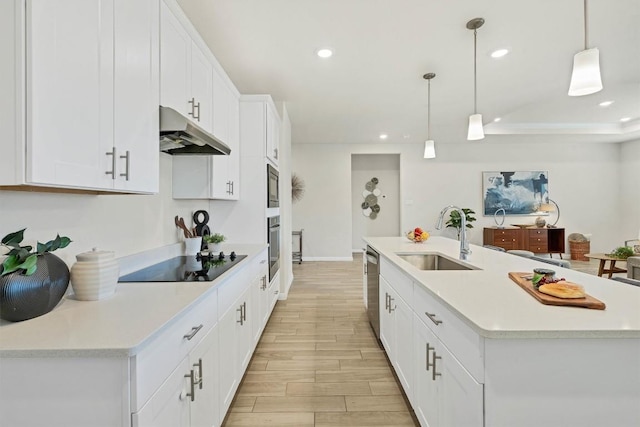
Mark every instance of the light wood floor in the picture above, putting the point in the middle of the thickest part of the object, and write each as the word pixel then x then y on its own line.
pixel 318 362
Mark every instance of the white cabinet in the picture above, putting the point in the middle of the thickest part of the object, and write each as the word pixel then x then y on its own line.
pixel 192 85
pixel 260 131
pixel 236 344
pixel 272 134
pixel 262 301
pixel 364 277
pixel 396 324
pixel 445 394
pixel 91 94
pixel 189 396
pixel 186 74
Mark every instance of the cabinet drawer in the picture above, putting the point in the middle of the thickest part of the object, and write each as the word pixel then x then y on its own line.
pixel 399 281
pixel 538 233
pixel 506 234
pixel 159 358
pixel 459 338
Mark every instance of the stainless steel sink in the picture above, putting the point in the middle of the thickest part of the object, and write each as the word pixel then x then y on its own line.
pixel 433 261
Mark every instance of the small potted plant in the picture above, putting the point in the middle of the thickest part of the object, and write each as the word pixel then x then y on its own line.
pixel 213 241
pixel 31 282
pixel 455 221
pixel 622 252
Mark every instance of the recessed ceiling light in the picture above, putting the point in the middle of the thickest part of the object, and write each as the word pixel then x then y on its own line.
pixel 605 103
pixel 497 119
pixel 499 53
pixel 625 119
pixel 384 136
pixel 324 53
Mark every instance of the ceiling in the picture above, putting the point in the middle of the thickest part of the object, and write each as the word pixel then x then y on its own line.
pixel 373 83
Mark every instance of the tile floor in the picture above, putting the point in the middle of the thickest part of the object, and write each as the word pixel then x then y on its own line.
pixel 318 362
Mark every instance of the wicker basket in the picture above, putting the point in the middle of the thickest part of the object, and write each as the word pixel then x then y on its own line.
pixel 579 249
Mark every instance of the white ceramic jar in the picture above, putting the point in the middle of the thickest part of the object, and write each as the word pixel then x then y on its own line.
pixel 95 275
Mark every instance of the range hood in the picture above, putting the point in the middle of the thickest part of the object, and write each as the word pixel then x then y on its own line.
pixel 180 136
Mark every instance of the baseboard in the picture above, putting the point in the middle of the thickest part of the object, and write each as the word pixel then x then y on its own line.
pixel 319 258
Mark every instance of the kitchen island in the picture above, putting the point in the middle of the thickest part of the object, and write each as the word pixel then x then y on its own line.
pixel 471 348
pixel 170 353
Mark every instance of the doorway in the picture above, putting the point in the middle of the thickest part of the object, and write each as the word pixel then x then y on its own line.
pixel 375 197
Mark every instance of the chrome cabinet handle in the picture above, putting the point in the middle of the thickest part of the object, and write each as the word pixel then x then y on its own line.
pixel 275 153
pixel 429 348
pixel 112 172
pixel 228 187
pixel 432 317
pixel 433 365
pixel 386 301
pixel 197 107
pixel 192 101
pixel 233 188
pixel 241 321
pixel 126 165
pixel 192 385
pixel 199 366
pixel 264 283
pixel 390 307
pixel 193 333
pixel 244 311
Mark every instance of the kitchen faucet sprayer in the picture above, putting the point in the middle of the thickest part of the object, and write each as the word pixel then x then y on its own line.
pixel 464 245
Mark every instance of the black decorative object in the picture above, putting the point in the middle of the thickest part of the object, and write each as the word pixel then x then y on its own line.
pixel 202 229
pixel 24 297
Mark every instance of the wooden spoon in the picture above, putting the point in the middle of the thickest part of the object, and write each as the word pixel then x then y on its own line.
pixel 180 224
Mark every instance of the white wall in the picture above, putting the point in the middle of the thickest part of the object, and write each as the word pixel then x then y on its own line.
pixel 125 224
pixel 385 167
pixel 286 263
pixel 584 179
pixel 630 189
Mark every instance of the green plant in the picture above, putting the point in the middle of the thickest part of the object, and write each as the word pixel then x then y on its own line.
pixel 455 220
pixel 214 238
pixel 622 252
pixel 22 257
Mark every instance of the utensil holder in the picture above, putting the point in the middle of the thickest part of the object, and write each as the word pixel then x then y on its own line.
pixel 192 245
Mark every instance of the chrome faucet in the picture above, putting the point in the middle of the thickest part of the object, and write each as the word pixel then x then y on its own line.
pixel 464 244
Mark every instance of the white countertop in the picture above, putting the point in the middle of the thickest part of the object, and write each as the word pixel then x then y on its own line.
pixel 114 327
pixel 496 307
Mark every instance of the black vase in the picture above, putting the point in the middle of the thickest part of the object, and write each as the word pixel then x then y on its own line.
pixel 25 297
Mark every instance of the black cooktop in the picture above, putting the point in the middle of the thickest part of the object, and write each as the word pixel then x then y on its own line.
pixel 193 268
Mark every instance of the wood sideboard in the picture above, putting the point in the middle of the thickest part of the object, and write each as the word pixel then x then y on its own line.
pixel 536 240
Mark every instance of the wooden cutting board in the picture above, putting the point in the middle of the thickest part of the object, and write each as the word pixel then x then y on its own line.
pixel 586 302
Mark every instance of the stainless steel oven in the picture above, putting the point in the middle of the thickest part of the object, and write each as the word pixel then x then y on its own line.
pixel 273 238
pixel 373 289
pixel 273 192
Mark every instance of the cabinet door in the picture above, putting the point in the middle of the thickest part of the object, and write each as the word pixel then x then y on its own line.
pixel 169 406
pixel 175 63
pixel 387 335
pixel 245 338
pixel 229 359
pixel 136 95
pixel 204 361
pixel 233 159
pixel 403 336
pixel 272 135
pixel 70 92
pixel 425 396
pixel 461 396
pixel 201 89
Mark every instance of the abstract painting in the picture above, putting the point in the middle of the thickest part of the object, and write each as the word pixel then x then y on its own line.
pixel 518 193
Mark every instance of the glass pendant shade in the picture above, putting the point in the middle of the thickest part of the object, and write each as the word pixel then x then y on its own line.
pixel 476 130
pixel 585 78
pixel 429 149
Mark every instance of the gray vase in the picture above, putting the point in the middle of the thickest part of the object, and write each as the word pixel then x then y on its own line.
pixel 25 297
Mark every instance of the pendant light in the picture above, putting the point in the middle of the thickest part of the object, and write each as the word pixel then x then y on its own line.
pixel 429 145
pixel 585 78
pixel 475 131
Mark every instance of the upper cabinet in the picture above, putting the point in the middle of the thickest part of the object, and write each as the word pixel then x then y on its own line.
pixel 185 73
pixel 85 86
pixel 193 83
pixel 260 127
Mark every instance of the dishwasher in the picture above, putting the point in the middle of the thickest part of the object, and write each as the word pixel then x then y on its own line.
pixel 373 289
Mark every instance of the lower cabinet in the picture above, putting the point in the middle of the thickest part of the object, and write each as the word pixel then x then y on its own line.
pixel 189 396
pixel 444 393
pixel 235 347
pixel 396 324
